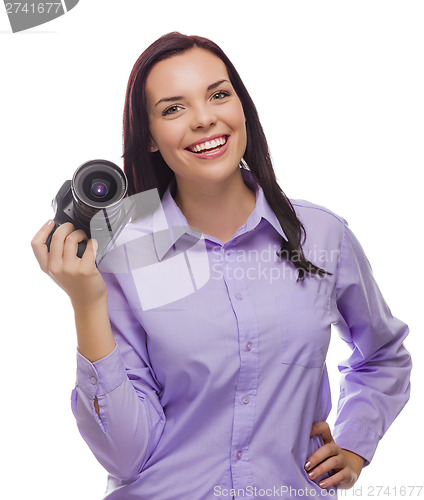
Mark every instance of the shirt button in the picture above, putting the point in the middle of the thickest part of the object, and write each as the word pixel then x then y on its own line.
pixel 93 380
pixel 239 296
pixel 245 400
pixel 227 252
pixel 239 454
pixel 249 346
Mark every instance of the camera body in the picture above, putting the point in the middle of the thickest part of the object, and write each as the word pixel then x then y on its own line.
pixel 94 202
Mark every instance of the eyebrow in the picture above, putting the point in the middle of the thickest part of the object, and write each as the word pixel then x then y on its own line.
pixel 179 97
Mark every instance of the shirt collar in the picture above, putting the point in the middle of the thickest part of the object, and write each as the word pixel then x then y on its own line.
pixel 170 224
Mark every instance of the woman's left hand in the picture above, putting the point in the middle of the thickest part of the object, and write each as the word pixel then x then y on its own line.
pixel 346 464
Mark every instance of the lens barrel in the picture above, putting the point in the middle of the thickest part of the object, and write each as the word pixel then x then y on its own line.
pixel 98 185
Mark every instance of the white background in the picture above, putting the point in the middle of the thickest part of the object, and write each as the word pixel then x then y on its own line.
pixel 339 89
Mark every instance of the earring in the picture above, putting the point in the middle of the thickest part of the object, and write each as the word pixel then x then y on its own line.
pixel 243 164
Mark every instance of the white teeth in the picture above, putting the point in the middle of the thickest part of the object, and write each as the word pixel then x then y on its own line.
pixel 209 145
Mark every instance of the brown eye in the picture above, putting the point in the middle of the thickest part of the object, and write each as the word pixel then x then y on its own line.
pixel 171 110
pixel 220 95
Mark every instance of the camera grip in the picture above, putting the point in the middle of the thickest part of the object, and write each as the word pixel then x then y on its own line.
pixel 82 245
pixel 49 237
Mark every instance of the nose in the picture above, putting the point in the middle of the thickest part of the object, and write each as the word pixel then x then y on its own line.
pixel 203 117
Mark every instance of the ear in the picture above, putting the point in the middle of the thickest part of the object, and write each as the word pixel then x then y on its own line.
pixel 152 147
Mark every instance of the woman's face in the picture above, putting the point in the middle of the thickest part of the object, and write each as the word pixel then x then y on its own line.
pixel 196 118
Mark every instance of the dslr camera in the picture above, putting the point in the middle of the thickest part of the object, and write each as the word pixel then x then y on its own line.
pixel 93 201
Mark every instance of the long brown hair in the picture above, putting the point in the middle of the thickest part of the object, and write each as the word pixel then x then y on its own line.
pixel 146 170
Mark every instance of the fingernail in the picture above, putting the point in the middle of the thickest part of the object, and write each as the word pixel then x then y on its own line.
pixel 322 484
pixel 95 245
pixel 307 465
pixel 49 222
pixel 311 474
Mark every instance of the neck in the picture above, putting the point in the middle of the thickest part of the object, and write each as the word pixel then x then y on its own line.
pixel 216 209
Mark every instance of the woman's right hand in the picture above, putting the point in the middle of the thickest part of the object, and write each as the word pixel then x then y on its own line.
pixel 79 277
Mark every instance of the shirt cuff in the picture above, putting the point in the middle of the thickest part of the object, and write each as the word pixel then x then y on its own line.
pixel 102 376
pixel 358 438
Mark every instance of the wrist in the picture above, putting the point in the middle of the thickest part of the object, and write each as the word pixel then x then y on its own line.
pixel 356 461
pixel 82 305
pixel 94 333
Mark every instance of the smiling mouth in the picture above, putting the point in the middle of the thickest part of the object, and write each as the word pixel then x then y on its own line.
pixel 213 145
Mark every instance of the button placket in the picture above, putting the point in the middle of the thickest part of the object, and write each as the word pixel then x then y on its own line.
pixel 245 393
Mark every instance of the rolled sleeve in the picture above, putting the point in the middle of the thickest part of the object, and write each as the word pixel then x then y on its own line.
pixel 115 401
pixel 101 377
pixel 356 437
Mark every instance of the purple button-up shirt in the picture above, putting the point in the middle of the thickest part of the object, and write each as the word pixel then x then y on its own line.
pixel 219 370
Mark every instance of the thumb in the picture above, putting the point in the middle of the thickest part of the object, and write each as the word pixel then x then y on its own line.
pixel 324 429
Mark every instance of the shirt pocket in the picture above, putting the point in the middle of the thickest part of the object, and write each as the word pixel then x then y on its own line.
pixel 305 328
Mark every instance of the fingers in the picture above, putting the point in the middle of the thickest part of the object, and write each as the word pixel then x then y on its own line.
pixel 342 479
pixel 63 247
pixel 70 247
pixel 58 244
pixel 326 457
pixel 78 277
pixel 88 260
pixel 329 458
pixel 324 453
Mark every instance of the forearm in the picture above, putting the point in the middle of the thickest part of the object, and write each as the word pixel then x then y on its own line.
pixel 94 333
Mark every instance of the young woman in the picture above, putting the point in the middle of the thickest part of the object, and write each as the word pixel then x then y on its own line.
pixel 201 370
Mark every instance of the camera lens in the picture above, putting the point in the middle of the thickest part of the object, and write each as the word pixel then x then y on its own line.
pixel 98 185
pixel 100 188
